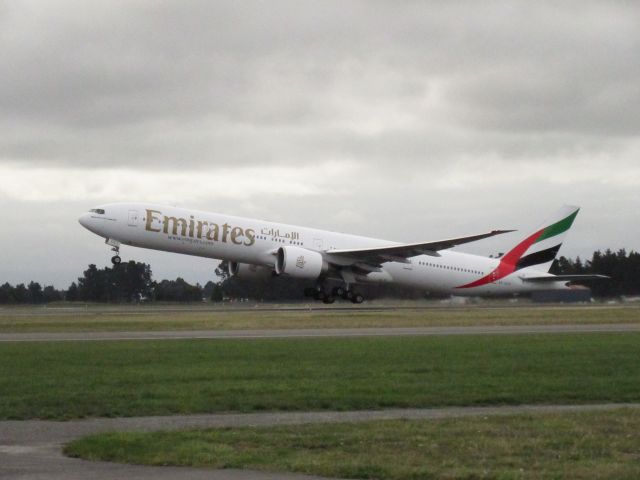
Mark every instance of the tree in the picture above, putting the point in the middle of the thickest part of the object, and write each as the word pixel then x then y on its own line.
pixel 50 294
pixel 7 294
pixel 73 293
pixel 21 294
pixel 92 285
pixel 177 290
pixel 217 294
pixel 35 293
pixel 127 282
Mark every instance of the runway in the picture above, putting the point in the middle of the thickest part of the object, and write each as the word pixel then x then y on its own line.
pixel 145 310
pixel 320 332
pixel 32 449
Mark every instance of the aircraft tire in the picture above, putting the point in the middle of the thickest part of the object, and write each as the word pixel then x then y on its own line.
pixel 338 291
pixel 357 298
pixel 328 299
pixel 116 260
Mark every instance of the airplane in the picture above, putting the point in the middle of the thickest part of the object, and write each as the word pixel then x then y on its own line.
pixel 256 248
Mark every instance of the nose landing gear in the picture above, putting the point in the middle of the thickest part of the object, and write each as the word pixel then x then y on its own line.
pixel 115 248
pixel 116 260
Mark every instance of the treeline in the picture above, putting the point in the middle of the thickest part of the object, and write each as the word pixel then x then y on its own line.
pixel 32 293
pixel 133 282
pixel 622 267
pixel 129 282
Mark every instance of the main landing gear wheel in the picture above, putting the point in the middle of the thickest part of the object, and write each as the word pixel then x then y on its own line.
pixel 328 299
pixel 338 291
pixel 357 298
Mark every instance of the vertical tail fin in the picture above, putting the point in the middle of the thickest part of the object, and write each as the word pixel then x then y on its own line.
pixel 537 251
pixel 541 247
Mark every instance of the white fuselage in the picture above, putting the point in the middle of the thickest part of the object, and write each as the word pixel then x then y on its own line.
pixel 252 241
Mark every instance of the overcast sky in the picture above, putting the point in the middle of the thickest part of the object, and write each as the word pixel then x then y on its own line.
pixel 409 121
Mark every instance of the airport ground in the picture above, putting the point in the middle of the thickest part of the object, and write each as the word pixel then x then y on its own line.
pixel 95 318
pixel 401 359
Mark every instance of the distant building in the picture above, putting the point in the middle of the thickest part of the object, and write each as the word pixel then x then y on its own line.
pixel 575 295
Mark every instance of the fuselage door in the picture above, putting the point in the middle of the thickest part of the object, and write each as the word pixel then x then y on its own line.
pixel 133 218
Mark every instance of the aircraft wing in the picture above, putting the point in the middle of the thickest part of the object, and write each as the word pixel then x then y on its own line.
pixel 400 253
pixel 564 278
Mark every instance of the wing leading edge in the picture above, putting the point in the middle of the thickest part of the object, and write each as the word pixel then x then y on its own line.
pixel 400 253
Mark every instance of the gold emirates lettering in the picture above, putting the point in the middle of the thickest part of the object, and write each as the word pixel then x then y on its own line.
pixel 199 229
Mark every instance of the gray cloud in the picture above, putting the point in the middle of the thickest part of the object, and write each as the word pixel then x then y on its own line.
pixel 131 81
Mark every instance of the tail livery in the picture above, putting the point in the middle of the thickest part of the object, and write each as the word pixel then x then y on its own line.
pixel 537 251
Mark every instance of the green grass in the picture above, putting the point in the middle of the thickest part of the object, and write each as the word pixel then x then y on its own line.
pixel 144 318
pixel 79 379
pixel 602 445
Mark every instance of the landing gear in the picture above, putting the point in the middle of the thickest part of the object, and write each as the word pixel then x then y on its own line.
pixel 328 299
pixel 352 296
pixel 318 292
pixel 338 291
pixel 324 297
pixel 116 260
pixel 357 298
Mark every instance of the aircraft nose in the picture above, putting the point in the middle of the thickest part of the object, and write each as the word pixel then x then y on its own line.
pixel 84 220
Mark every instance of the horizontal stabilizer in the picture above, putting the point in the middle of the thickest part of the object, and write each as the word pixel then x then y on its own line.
pixel 565 278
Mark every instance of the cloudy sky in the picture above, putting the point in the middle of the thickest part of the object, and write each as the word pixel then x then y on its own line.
pixel 402 120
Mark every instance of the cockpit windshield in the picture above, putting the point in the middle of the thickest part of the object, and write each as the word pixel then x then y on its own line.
pixel 99 211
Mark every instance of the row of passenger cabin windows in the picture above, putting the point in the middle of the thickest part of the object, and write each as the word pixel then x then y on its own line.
pixel 279 240
pixel 446 267
pixel 99 211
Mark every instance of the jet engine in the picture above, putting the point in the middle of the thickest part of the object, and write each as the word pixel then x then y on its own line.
pixel 248 270
pixel 300 262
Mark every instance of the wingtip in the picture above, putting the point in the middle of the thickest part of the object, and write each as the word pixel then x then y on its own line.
pixel 572 207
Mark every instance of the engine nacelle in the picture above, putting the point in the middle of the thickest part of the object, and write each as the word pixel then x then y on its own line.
pixel 300 262
pixel 248 270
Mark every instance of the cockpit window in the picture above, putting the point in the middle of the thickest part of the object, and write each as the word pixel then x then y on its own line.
pixel 99 211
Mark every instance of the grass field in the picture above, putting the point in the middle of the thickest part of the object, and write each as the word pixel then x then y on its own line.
pixel 70 380
pixel 144 318
pixel 601 445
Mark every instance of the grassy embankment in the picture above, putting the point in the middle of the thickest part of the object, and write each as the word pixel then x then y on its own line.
pixel 78 379
pixel 134 319
pixel 601 445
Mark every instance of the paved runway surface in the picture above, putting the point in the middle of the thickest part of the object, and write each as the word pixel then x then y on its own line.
pixel 31 450
pixel 141 310
pixel 319 332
